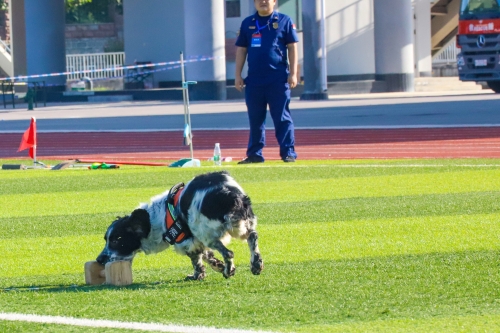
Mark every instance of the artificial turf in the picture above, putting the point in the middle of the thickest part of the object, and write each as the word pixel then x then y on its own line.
pixel 348 246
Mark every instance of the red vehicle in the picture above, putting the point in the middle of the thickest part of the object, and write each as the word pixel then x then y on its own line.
pixel 479 38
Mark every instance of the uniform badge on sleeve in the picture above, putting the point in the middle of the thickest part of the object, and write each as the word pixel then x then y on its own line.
pixel 293 26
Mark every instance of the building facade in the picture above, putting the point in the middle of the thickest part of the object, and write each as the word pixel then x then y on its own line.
pixel 379 40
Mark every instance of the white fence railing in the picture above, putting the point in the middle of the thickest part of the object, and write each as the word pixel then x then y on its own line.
pixel 448 54
pixel 95 62
pixel 5 46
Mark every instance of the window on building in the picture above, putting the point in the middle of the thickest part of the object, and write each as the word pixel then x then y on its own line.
pixel 233 8
pixel 292 8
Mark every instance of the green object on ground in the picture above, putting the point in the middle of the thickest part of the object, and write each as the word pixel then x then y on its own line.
pixel 30 95
pixel 103 166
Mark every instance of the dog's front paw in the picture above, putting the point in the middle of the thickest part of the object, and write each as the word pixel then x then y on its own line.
pixel 195 277
pixel 257 265
pixel 229 271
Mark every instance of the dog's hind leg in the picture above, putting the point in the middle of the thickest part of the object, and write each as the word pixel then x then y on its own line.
pixel 216 264
pixel 199 269
pixel 256 263
pixel 228 256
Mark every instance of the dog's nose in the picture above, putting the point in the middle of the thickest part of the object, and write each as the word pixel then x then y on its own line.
pixel 102 259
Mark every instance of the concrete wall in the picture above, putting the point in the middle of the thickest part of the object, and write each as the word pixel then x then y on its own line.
pixel 233 23
pixel 154 33
pixel 349 23
pixel 422 42
pixel 94 38
pixel 350 39
pixel 92 45
pixel 232 27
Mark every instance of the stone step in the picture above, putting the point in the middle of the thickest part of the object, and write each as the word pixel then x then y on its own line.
pixel 437 78
pixel 356 87
pixel 422 84
pixel 447 88
pixel 426 84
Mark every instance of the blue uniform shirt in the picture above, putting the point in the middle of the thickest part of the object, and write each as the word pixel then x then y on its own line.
pixel 269 61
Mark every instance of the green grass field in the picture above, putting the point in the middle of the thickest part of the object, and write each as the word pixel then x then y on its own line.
pixel 348 246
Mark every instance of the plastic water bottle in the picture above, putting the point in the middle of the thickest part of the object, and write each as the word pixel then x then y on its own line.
pixel 217 154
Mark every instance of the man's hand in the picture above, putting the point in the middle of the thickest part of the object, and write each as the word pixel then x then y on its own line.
pixel 239 83
pixel 292 59
pixel 292 80
pixel 241 56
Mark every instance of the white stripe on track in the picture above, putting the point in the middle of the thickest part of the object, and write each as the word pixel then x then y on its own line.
pixel 270 128
pixel 116 324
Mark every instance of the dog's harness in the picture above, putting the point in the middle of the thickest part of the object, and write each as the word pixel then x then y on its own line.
pixel 177 229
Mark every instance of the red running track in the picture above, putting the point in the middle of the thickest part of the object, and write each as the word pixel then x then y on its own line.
pixel 470 142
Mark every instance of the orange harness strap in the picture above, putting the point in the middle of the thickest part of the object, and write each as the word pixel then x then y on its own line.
pixel 176 230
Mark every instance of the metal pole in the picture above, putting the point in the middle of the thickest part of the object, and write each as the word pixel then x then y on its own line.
pixel 12 94
pixel 189 124
pixel 187 116
pixel 183 90
pixel 324 80
pixel 3 95
pixel 34 146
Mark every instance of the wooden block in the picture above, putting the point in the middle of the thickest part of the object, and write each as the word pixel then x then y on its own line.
pixel 13 167
pixel 94 273
pixel 118 273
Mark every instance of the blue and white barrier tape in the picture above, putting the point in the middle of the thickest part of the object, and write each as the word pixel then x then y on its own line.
pixel 108 77
pixel 135 74
pixel 158 64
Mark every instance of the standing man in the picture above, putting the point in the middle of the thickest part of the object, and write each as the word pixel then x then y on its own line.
pixel 269 40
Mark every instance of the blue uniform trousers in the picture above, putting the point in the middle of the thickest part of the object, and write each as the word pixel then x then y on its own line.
pixel 277 96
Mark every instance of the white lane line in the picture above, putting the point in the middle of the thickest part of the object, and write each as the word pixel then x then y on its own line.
pixel 116 324
pixel 270 127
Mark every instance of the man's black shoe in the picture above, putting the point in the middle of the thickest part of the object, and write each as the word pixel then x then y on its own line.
pixel 251 159
pixel 289 159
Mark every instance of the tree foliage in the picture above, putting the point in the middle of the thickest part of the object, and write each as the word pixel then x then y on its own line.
pixel 90 11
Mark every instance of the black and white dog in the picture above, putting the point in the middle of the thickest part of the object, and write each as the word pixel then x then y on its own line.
pixel 197 218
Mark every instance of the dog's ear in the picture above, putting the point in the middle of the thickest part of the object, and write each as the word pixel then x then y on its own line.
pixel 139 223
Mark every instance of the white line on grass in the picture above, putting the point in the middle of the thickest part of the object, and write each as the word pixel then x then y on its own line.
pixel 416 165
pixel 286 165
pixel 116 324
